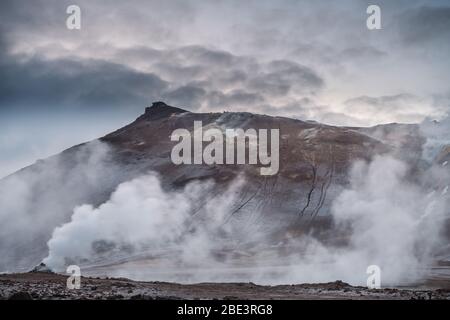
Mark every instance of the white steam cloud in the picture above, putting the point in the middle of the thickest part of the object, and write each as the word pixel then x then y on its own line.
pixel 141 217
pixel 385 218
pixel 394 223
pixel 37 199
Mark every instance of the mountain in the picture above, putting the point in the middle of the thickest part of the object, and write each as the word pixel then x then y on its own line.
pixel 315 160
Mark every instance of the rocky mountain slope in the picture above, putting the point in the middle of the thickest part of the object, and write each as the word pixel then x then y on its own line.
pixel 314 163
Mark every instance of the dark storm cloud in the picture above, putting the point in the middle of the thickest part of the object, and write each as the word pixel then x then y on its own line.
pixel 63 83
pixel 191 76
pixel 425 25
pixel 38 84
pixel 194 77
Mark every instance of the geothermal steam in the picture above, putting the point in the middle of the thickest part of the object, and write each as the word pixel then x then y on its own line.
pixel 186 236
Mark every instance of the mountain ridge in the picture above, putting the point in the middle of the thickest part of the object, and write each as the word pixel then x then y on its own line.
pixel 314 163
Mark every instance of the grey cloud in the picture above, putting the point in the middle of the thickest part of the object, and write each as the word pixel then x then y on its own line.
pixel 235 100
pixel 178 72
pixel 216 79
pixel 195 63
pixel 296 74
pixel 259 56
pixel 195 77
pixel 283 75
pixel 189 96
pixel 407 108
pixel 186 65
pixel 226 65
pixel 361 52
pixel 424 25
pixel 63 83
pixel 181 76
pixel 295 109
pixel 199 54
pixel 138 54
pixel 232 77
pixel 149 20
pixel 377 101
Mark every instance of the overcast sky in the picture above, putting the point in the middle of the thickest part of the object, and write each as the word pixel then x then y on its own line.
pixel 305 59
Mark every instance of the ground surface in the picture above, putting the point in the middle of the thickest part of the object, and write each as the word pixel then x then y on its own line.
pixel 39 285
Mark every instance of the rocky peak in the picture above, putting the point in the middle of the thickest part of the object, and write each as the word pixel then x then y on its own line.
pixel 159 110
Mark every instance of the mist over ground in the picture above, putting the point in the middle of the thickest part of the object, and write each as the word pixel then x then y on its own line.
pixel 393 223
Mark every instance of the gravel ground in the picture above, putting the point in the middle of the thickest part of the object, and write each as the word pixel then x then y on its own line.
pixel 43 285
